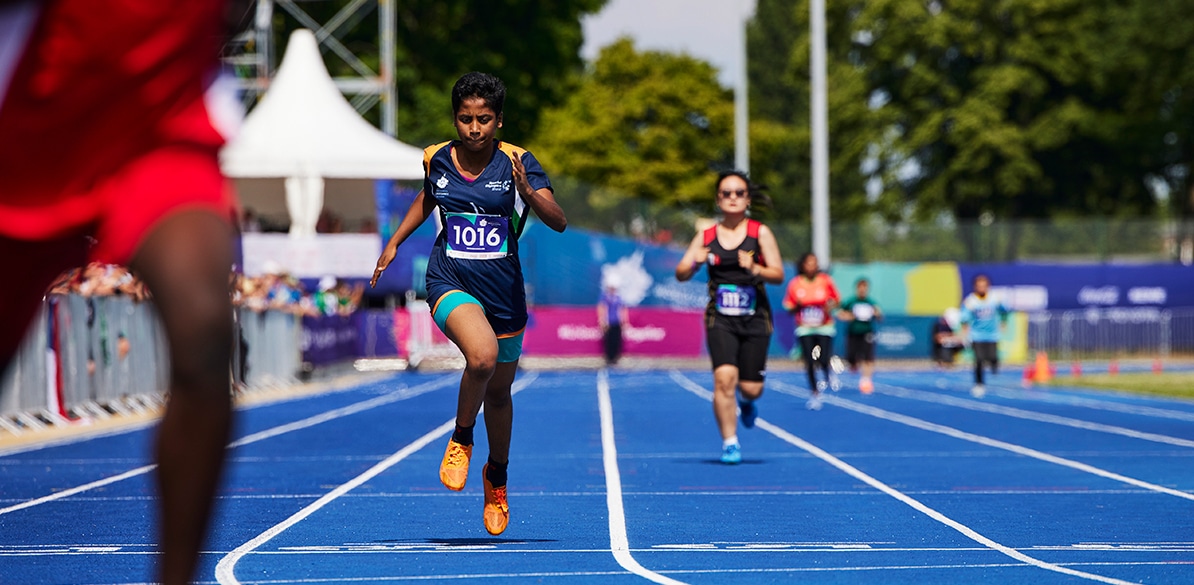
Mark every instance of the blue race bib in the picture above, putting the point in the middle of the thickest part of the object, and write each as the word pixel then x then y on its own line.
pixel 813 316
pixel 473 236
pixel 735 300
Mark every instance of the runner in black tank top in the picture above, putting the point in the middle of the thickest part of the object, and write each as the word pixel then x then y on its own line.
pixel 741 255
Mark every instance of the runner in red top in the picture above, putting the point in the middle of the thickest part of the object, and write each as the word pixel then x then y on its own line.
pixel 107 152
pixel 812 297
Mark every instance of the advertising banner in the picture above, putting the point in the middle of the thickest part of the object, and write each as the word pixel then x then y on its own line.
pixel 573 331
pixel 327 340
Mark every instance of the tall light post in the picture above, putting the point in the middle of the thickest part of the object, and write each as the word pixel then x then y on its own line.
pixel 820 134
pixel 741 116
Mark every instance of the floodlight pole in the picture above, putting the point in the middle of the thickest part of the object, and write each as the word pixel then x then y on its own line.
pixel 389 91
pixel 741 116
pixel 820 134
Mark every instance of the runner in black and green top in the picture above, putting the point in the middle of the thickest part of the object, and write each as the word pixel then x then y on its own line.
pixel 861 312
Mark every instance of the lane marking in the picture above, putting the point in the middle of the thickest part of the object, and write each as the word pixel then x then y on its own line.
pixel 1049 396
pixel 226 568
pixel 915 504
pixel 790 390
pixel 619 543
pixel 403 394
pixel 908 393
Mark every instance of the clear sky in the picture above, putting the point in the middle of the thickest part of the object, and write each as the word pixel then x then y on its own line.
pixel 707 29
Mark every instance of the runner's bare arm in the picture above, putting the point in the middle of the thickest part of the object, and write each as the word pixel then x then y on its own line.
pixel 773 272
pixel 420 210
pixel 542 201
pixel 696 253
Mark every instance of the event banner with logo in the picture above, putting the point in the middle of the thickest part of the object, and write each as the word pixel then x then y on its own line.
pixel 572 331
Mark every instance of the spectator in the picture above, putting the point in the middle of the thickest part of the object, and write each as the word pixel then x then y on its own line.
pixel 945 342
pixel 611 315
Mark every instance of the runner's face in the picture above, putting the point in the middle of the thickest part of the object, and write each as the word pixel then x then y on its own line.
pixel 810 265
pixel 980 286
pixel 476 124
pixel 732 195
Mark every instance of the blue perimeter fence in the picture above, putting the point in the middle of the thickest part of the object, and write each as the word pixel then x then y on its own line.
pixel 93 357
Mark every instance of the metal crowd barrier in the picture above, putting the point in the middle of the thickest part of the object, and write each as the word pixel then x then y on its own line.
pixel 1145 332
pixel 92 357
pixel 271 351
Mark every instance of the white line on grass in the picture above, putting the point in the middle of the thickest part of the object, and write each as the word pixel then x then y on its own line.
pixel 973 438
pixel 226 568
pixel 902 392
pixel 402 394
pixel 906 499
pixel 619 543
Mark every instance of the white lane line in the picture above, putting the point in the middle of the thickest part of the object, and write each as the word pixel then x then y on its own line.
pixel 78 489
pixel 906 499
pixel 398 396
pixel 982 440
pixel 226 568
pixel 1091 403
pixel 1065 396
pixel 619 543
pixel 402 394
pixel 902 392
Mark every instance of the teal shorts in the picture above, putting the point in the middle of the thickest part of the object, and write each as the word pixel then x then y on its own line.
pixel 509 346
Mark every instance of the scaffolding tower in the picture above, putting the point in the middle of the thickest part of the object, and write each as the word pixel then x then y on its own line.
pixel 252 52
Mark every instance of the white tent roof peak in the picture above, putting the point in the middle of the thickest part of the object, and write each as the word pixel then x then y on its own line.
pixel 304 126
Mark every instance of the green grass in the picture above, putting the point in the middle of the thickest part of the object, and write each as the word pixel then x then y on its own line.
pixel 1178 384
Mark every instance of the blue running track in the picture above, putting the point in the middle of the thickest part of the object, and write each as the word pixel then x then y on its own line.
pixel 615 478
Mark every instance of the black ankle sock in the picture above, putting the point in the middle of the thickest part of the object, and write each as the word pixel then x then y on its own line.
pixel 496 473
pixel 463 435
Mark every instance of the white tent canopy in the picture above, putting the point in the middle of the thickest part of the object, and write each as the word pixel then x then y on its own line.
pixel 304 131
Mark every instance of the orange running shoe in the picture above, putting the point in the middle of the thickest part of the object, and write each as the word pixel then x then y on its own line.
pixel 453 471
pixel 866 385
pixel 497 510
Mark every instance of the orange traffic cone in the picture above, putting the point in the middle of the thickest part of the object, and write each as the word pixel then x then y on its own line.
pixel 1113 369
pixel 1043 372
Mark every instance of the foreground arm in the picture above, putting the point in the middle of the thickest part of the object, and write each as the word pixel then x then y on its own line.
pixel 420 210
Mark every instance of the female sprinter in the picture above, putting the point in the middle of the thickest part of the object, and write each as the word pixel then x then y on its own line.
pixel 741 255
pixel 481 188
pixel 812 297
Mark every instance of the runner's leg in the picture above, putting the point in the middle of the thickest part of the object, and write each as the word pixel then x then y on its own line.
pixel 185 262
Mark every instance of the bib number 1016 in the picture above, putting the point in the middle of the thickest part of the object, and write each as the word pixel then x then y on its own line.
pixel 476 237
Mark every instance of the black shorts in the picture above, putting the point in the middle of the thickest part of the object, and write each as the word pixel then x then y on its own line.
pixel 985 351
pixel 739 342
pixel 860 348
pixel 944 354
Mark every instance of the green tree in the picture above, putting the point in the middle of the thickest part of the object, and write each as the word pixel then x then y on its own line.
pixel 1013 108
pixel 532 45
pixel 779 93
pixel 648 125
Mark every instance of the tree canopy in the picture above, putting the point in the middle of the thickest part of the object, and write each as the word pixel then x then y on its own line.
pixel 644 124
pixel 1014 108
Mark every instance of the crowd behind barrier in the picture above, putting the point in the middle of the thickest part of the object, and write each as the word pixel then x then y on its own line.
pixel 96 347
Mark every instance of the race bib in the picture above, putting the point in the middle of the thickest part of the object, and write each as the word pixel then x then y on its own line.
pixel 863 311
pixel 812 316
pixel 476 237
pixel 735 300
